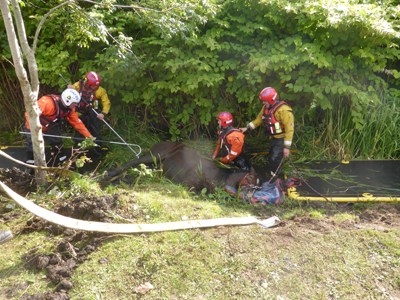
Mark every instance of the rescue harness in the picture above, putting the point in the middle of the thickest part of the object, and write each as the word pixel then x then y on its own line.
pixel 88 98
pixel 272 125
pixel 225 132
pixel 48 121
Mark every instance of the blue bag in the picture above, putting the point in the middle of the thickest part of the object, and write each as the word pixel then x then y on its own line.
pixel 267 193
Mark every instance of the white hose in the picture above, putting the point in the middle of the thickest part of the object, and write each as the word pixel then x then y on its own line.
pixel 68 222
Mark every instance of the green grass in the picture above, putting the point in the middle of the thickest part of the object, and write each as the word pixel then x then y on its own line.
pixel 241 263
pixel 318 253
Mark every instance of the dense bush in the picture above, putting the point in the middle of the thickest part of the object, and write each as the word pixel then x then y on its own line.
pixel 175 65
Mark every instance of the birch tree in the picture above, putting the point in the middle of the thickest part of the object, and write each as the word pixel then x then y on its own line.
pixel 167 18
pixel 23 53
pixel 29 80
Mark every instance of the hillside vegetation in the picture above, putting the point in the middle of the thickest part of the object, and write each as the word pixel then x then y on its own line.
pixel 173 65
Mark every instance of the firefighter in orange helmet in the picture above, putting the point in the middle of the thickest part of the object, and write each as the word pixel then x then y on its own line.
pixel 230 143
pixel 95 103
pixel 278 120
pixel 53 109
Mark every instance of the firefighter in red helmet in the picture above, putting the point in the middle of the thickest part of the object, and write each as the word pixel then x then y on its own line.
pixel 230 145
pixel 94 105
pixel 278 119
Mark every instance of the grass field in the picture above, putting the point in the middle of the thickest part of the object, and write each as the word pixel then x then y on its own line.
pixel 318 251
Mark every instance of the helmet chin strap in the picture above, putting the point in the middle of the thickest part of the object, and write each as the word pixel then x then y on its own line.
pixel 89 88
pixel 62 105
pixel 224 129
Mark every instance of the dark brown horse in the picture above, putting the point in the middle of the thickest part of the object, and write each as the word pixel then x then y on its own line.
pixel 186 166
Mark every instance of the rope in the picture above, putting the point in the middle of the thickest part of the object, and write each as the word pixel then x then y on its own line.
pixel 277 170
pixel 82 139
pixel 305 181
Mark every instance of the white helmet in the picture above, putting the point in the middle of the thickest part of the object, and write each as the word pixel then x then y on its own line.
pixel 70 96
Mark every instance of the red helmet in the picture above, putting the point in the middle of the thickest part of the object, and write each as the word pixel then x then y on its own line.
pixel 225 118
pixel 269 94
pixel 93 80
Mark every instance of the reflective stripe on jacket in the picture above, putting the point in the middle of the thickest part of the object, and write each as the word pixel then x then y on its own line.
pixel 284 115
pixel 51 113
pixel 233 140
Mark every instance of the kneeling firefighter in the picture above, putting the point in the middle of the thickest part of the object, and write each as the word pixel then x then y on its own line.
pixel 230 145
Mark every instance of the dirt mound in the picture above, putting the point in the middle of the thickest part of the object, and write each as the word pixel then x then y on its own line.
pixel 18 180
pixel 72 250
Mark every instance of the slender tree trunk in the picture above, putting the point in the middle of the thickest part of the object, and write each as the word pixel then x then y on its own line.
pixel 29 86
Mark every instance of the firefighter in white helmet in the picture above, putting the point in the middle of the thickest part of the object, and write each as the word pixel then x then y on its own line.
pixel 53 109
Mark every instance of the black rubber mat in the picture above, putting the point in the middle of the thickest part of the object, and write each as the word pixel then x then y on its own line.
pixel 318 180
pixel 19 153
pixel 380 178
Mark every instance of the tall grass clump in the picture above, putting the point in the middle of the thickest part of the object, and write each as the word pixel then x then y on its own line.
pixel 128 127
pixel 341 134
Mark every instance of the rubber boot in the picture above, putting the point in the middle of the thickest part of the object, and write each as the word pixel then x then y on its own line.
pixel 30 161
pixel 29 158
pixel 241 163
pixel 5 235
pixel 57 157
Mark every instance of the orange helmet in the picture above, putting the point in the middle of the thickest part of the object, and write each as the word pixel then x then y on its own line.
pixel 269 94
pixel 93 80
pixel 225 118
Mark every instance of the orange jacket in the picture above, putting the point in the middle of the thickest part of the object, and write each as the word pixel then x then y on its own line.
pixel 50 113
pixel 234 141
